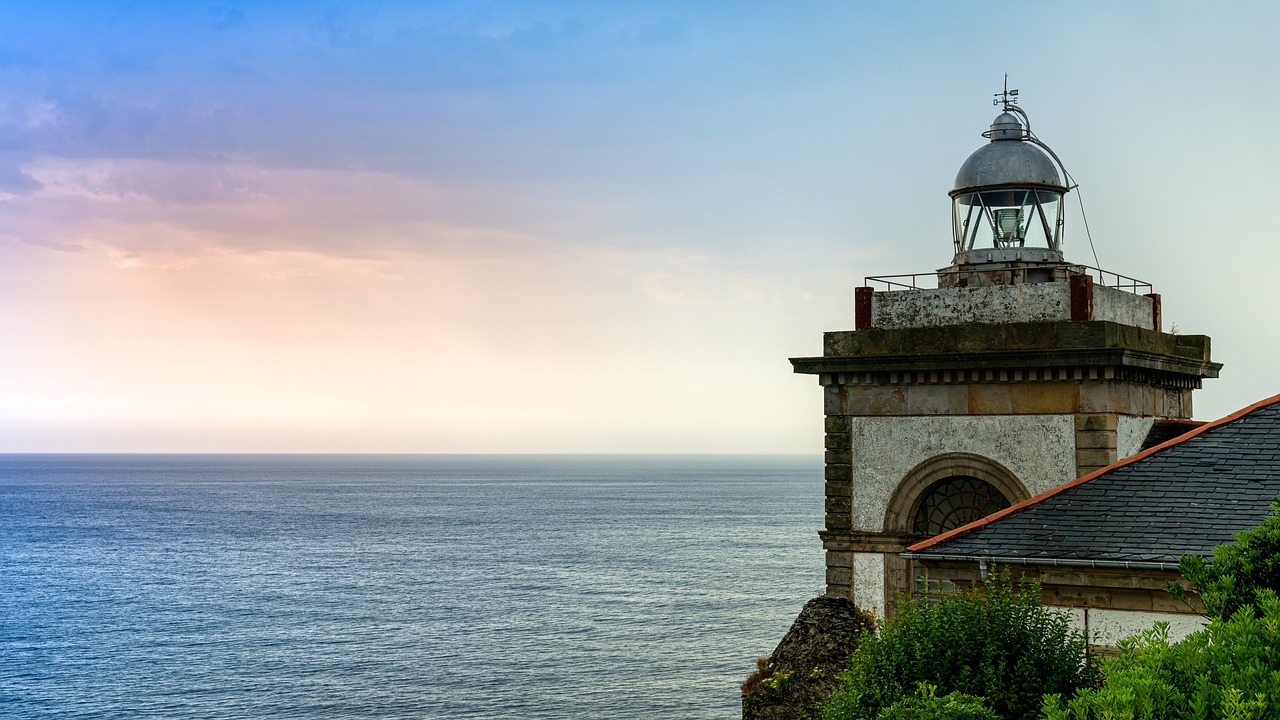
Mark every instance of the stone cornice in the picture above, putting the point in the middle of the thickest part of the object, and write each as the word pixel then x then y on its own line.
pixel 1092 344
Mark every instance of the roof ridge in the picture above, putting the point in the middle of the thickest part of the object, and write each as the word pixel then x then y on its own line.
pixel 970 527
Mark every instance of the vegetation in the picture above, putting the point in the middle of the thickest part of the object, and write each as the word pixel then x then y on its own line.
pixel 1228 671
pixel 996 651
pixel 1238 570
pixel 765 683
pixel 997 643
pixel 926 705
pixel 800 673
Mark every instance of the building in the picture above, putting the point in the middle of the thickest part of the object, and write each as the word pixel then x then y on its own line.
pixel 1008 373
pixel 1106 545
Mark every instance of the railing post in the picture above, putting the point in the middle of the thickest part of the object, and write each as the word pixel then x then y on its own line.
pixel 862 298
pixel 1081 298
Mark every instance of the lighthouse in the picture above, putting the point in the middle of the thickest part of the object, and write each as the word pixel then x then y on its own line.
pixel 1007 372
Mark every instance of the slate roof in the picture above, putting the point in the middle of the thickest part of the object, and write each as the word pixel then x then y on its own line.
pixel 1165 430
pixel 1181 497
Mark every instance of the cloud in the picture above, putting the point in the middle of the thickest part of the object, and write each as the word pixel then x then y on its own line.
pixel 16 182
pixel 142 207
pixel 90 126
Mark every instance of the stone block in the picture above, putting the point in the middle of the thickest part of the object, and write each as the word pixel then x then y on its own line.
pixel 864 401
pixel 835 542
pixel 839 504
pixel 1164 602
pixel 1174 403
pixel 984 338
pixel 838 440
pixel 990 399
pixel 838 457
pixel 839 471
pixel 1079 335
pixel 1096 422
pixel 840 577
pixel 1028 336
pixel 837 344
pixel 840 559
pixel 1192 347
pixel 838 423
pixel 1094 458
pixel 1102 397
pixel 837 522
pixel 1073 596
pixel 1131 599
pixel 839 487
pixel 1137 338
pixel 1060 576
pixel 937 400
pixel 1045 398
pixel 1126 579
pixel 1123 307
pixel 1096 440
pixel 834 400
pixel 876 342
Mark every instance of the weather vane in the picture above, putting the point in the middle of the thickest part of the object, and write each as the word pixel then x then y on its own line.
pixel 1008 98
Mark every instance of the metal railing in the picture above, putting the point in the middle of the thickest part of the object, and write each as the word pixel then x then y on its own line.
pixel 929 281
pixel 1119 282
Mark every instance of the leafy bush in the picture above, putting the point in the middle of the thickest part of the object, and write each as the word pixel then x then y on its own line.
pixel 1228 671
pixel 1001 644
pixel 1238 570
pixel 765 684
pixel 928 706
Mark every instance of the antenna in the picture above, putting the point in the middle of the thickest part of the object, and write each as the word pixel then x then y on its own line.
pixel 1008 98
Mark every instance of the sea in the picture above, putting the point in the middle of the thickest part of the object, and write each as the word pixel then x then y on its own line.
pixel 376 586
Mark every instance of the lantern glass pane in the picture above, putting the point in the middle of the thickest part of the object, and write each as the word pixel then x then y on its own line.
pixel 1007 218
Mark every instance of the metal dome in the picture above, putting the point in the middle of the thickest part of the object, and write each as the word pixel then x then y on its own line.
pixel 1006 126
pixel 1007 208
pixel 1008 162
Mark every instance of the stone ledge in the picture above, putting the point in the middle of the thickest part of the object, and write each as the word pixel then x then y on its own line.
pixel 944 361
pixel 882 542
pixel 1043 335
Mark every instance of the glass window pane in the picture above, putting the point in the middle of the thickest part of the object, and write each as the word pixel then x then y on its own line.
pixel 956 501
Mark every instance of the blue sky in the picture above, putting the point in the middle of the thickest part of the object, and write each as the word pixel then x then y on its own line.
pixel 569 227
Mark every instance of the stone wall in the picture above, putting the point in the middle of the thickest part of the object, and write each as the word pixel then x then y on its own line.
pixel 1001 304
pixel 1037 395
pixel 1038 449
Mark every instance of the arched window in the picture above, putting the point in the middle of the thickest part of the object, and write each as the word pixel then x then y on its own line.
pixel 956 501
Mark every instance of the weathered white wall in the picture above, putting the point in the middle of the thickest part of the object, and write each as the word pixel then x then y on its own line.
pixel 1130 432
pixel 995 304
pixel 1107 627
pixel 868 582
pixel 981 305
pixel 1038 449
pixel 1123 307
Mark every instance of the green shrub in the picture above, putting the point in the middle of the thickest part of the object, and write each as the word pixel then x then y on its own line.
pixel 1228 671
pixel 928 706
pixel 765 684
pixel 1238 570
pixel 1001 644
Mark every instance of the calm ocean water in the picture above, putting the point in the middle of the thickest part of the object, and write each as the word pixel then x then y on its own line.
pixel 397 586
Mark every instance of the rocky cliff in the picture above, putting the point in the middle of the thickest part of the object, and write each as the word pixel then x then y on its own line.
pixel 801 672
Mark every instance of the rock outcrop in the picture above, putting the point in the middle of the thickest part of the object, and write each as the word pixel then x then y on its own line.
pixel 802 671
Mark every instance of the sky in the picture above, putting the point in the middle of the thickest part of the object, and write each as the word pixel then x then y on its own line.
pixel 572 226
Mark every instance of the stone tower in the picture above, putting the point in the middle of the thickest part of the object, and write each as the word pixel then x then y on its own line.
pixel 1007 373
